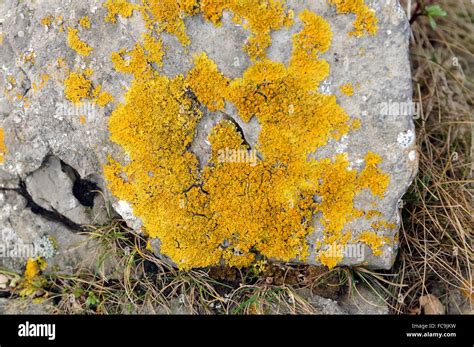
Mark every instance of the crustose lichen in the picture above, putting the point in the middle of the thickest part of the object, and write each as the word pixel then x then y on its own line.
pixel 229 211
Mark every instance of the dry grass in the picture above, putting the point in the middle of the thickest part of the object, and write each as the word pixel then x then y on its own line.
pixel 436 239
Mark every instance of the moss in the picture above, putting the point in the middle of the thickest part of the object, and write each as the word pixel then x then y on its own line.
pixel 3 147
pixel 229 211
pixel 366 20
pixel 76 44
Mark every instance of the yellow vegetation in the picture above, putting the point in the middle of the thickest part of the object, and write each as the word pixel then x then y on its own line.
pixel 3 147
pixel 347 89
pixel 77 87
pixel 76 44
pixel 85 22
pixel 47 21
pixel 32 279
pixel 366 21
pixel 118 8
pixel 375 241
pixel 229 211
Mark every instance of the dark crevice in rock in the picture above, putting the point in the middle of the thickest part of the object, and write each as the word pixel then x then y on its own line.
pixel 52 216
pixel 83 190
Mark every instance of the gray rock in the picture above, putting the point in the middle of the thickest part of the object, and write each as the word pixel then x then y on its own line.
pixel 18 306
pixel 46 125
pixel 52 187
pixel 363 300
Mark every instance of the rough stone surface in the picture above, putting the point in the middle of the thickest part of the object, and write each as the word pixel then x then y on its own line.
pixel 9 306
pixel 363 300
pixel 41 127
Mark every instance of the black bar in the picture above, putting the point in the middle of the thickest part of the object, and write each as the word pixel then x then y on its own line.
pixel 246 330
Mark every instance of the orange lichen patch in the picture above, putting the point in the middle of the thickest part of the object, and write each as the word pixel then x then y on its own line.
pixel 347 89
pixel 100 97
pixel 88 72
pixel 3 147
pixel 32 280
pixel 11 80
pixel 82 119
pixel 76 44
pixel 372 176
pixel 378 225
pixel 207 83
pixel 118 8
pixel 154 49
pixel 47 20
pixel 262 16
pixel 372 214
pixel 356 124
pixel 77 87
pixel 366 20
pixel 29 57
pixel 85 22
pixel 138 60
pixel 1 39
pixel 332 255
pixel 43 80
pixel 167 15
pixel 61 63
pixel 375 241
pixel 230 210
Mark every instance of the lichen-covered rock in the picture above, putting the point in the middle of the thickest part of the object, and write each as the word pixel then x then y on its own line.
pixel 235 128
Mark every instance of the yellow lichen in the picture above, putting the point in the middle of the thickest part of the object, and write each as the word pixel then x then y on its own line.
pixel 47 20
pixel 228 210
pixel 100 97
pixel 82 119
pixel 38 86
pixel 261 16
pixel 207 83
pixel 76 44
pixel 383 225
pixel 85 22
pixel 32 280
pixel 118 8
pixel 372 176
pixel 375 241
pixel 366 20
pixel 77 87
pixel 3 147
pixel 347 89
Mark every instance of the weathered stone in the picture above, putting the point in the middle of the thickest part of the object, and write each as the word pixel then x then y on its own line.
pixel 363 300
pixel 44 125
pixel 26 307
pixel 52 187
